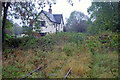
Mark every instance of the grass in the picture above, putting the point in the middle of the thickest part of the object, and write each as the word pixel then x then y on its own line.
pixel 87 56
pixel 0 71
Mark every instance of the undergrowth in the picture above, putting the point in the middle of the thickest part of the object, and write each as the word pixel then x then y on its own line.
pixel 90 56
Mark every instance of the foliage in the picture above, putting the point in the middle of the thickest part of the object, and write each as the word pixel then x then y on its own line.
pixel 27 30
pixel 89 56
pixel 9 24
pixel 102 65
pixel 77 22
pixel 27 11
pixel 106 40
pixel 68 49
pixel 104 16
pixel 9 29
pixel 12 71
pixel 14 42
pixel 7 36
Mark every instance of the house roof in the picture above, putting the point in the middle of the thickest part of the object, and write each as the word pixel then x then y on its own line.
pixel 53 17
pixel 58 17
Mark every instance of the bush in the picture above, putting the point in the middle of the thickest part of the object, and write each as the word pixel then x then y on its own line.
pixel 7 36
pixel 14 42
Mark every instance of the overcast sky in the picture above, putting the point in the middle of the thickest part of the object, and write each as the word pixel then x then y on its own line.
pixel 63 7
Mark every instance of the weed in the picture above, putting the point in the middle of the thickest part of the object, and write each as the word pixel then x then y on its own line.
pixel 89 56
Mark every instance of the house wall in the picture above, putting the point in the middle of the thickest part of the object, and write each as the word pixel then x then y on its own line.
pixel 49 27
pixel 61 26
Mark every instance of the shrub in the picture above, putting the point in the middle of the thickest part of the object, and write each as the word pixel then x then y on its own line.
pixel 7 36
pixel 14 42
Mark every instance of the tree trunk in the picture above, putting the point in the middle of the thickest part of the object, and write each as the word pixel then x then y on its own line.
pixel 0 37
pixel 4 20
pixel 0 24
pixel 119 27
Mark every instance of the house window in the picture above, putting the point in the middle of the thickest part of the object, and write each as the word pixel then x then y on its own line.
pixel 54 25
pixel 42 23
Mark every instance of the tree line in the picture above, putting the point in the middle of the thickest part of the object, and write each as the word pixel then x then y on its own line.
pixel 104 16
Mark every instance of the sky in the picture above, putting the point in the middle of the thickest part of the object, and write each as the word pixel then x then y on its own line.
pixel 63 7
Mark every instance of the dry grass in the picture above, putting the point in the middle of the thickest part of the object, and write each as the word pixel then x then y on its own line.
pixel 58 62
pixel 78 64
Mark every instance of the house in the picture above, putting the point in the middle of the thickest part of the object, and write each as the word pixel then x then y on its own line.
pixel 48 22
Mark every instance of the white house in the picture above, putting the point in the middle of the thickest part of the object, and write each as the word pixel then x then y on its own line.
pixel 49 23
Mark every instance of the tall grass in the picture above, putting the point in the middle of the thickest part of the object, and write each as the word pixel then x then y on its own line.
pixel 90 56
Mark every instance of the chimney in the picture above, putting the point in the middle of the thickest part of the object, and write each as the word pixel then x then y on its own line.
pixel 50 10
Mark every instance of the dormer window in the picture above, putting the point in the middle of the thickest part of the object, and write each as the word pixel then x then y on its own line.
pixel 42 23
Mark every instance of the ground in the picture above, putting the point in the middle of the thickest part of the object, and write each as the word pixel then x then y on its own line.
pixel 90 56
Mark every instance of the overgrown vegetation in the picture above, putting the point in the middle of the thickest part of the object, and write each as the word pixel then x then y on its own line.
pixel 104 16
pixel 89 56
pixel 92 54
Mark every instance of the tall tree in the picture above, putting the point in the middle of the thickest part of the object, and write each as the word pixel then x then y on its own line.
pixel 77 22
pixel 104 16
pixel 5 7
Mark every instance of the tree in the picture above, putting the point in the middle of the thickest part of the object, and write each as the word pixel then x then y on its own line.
pixel 9 27
pixel 104 16
pixel 5 7
pixel 77 22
